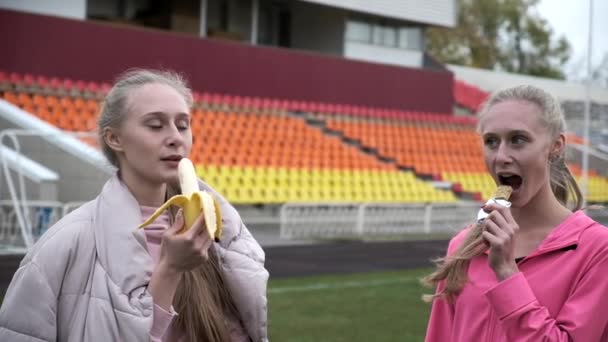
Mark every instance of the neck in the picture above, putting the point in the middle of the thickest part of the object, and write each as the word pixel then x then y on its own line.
pixel 146 193
pixel 543 212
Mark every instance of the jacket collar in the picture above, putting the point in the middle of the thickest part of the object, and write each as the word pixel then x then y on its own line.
pixel 566 234
pixel 121 247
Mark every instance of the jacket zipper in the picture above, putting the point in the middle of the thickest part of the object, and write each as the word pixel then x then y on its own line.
pixel 491 327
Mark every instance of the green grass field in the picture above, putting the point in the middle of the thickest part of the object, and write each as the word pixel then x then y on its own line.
pixel 379 306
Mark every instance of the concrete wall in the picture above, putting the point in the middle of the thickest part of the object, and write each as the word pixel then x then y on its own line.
pixel 436 12
pixel 75 9
pixel 97 52
pixel 317 28
pixel 490 80
pixel 383 54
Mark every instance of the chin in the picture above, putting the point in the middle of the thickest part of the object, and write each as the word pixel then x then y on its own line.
pixel 520 201
pixel 170 177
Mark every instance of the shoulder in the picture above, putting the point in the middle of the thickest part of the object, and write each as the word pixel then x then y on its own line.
pixel 595 234
pixel 59 243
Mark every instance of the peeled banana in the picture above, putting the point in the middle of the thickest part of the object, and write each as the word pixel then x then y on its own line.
pixel 193 201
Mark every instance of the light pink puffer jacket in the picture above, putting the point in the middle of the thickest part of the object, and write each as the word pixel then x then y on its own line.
pixel 86 279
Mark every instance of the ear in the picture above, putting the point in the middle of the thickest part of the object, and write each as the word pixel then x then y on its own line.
pixel 557 146
pixel 112 138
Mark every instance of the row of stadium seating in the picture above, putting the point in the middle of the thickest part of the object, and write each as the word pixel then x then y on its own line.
pixel 51 86
pixel 64 87
pixel 265 184
pixel 263 151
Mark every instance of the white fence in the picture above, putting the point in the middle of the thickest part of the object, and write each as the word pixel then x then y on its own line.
pixel 314 220
pixel 342 220
pixel 38 216
pixel 297 220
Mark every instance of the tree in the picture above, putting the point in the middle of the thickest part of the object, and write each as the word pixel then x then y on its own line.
pixel 599 75
pixel 506 35
pixel 577 71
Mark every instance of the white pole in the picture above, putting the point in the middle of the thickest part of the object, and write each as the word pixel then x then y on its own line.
pixel 202 31
pixel 255 13
pixel 586 126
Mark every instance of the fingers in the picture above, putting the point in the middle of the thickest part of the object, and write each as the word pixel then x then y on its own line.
pixel 504 211
pixel 490 239
pixel 495 230
pixel 177 225
pixel 502 217
pixel 205 249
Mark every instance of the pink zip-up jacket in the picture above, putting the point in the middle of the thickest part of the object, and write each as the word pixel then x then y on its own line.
pixel 560 293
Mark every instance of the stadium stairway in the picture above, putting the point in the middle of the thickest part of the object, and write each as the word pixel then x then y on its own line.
pixel 321 123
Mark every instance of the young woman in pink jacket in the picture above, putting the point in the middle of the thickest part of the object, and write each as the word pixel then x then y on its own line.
pixel 537 271
pixel 94 276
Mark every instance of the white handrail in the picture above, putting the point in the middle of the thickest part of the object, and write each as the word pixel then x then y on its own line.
pixel 23 212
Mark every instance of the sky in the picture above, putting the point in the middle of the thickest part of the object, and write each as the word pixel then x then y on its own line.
pixel 571 18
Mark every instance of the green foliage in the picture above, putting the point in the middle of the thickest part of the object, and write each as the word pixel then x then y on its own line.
pixel 506 35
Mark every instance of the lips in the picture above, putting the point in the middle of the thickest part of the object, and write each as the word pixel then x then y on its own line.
pixel 174 157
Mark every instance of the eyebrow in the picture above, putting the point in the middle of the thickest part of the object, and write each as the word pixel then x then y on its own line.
pixel 513 132
pixel 155 114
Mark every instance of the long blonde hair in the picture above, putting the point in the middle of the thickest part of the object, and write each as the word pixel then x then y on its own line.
pixel 453 269
pixel 202 298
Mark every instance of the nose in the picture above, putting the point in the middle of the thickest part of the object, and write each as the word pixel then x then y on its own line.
pixel 503 154
pixel 175 137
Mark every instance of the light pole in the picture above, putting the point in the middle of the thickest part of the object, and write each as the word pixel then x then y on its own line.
pixel 586 124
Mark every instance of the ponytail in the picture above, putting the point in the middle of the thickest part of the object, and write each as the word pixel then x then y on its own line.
pixel 564 185
pixel 453 269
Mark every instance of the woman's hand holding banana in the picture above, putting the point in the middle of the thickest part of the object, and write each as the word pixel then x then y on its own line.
pixel 499 232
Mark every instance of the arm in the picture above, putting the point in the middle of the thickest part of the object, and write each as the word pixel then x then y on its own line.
pixel 439 328
pixel 163 285
pixel 29 310
pixel 179 253
pixel 582 318
pixel 442 312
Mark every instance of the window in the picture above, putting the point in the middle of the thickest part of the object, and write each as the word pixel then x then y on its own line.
pixel 358 31
pixel 410 38
pixel 375 33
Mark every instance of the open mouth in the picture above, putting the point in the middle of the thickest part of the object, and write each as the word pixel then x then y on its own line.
pixel 512 180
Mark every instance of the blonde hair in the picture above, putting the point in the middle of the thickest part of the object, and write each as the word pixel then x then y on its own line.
pixel 452 269
pixel 202 297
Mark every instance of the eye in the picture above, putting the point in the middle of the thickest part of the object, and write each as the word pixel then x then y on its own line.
pixel 183 125
pixel 518 140
pixel 490 142
pixel 154 124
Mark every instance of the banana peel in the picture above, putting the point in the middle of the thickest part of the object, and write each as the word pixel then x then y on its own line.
pixel 193 201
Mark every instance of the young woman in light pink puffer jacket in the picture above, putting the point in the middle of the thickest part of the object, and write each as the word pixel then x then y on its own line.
pixel 95 277
pixel 535 271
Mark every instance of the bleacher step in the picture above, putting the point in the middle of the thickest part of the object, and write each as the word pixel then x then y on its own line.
pixel 321 124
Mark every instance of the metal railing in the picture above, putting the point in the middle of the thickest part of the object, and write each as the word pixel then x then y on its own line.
pixel 26 220
pixel 347 220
